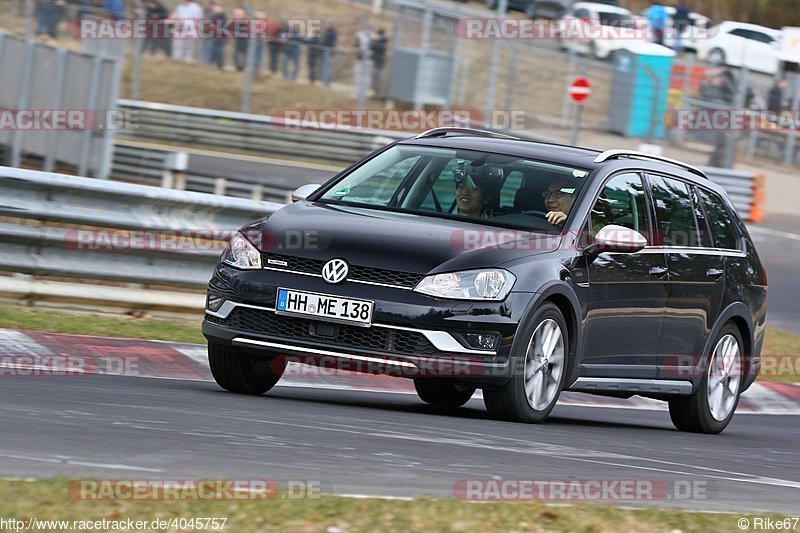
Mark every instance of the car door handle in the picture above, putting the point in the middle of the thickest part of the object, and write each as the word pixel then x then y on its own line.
pixel 658 271
pixel 715 273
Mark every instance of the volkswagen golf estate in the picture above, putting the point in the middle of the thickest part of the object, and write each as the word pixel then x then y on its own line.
pixel 470 260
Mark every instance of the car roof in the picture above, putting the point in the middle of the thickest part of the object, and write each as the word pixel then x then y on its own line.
pixel 540 151
pixel 571 156
pixel 597 6
pixel 732 24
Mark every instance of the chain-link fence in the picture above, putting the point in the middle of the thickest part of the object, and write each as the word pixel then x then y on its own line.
pixel 429 64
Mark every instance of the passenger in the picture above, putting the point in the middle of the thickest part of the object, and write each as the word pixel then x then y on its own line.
pixel 558 199
pixel 477 189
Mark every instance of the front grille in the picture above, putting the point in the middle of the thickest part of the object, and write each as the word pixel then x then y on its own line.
pixel 357 273
pixel 374 338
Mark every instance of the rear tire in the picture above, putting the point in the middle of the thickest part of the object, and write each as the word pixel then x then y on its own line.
pixel 443 393
pixel 237 371
pixel 711 408
pixel 539 371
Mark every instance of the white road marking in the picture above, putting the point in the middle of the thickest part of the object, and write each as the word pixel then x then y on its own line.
pixel 777 233
pixel 71 462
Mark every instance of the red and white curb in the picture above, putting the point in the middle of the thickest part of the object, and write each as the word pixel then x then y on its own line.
pixel 35 353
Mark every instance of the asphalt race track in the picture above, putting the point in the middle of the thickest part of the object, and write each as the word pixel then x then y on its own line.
pixel 391 444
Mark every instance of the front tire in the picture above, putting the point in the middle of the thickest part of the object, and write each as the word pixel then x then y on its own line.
pixel 711 408
pixel 236 371
pixel 539 371
pixel 443 393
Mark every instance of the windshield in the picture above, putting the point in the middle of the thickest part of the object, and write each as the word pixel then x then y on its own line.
pixel 486 188
pixel 617 20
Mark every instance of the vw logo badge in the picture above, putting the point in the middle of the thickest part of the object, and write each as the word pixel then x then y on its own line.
pixel 335 270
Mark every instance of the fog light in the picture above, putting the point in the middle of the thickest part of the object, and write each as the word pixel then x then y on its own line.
pixel 481 341
pixel 214 302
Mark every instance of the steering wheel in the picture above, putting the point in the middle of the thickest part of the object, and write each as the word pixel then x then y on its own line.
pixel 535 212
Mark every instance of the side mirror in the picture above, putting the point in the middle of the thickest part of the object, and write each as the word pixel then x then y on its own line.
pixel 302 192
pixel 613 238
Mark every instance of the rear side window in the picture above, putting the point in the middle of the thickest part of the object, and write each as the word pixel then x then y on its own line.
pixel 677 223
pixel 622 202
pixel 719 220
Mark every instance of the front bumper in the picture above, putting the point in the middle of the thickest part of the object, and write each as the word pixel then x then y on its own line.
pixel 412 335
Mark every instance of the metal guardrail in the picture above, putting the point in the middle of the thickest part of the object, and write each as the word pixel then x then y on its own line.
pixel 745 189
pixel 169 169
pixel 115 231
pixel 247 133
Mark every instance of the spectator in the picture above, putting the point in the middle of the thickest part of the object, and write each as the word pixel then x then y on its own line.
pixel 207 45
pixel 217 56
pixel 186 14
pixel 114 8
pixel 48 16
pixel 362 67
pixel 156 14
pixel 275 45
pixel 775 98
pixel 657 17
pixel 377 48
pixel 240 44
pixel 291 52
pixel 681 23
pixel 314 52
pixel 329 37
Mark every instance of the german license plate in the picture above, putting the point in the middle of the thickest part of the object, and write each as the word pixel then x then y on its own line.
pixel 324 307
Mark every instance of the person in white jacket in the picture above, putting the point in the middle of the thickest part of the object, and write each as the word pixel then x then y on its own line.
pixel 186 15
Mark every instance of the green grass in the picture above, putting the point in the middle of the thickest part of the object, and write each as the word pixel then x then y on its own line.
pixel 780 355
pixel 17 317
pixel 49 500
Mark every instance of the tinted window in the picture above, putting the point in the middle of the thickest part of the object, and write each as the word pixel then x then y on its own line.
pixel 760 37
pixel 677 223
pixel 622 202
pixel 741 33
pixel 425 181
pixel 720 221
pixel 706 239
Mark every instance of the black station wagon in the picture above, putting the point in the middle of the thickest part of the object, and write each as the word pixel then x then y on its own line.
pixel 471 260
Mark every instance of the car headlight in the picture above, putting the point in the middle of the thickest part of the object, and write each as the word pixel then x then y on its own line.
pixel 241 253
pixel 492 284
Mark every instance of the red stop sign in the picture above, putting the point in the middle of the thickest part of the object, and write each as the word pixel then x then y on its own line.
pixel 580 89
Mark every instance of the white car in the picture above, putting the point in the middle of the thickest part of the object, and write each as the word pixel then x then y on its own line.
pixel 738 44
pixel 598 29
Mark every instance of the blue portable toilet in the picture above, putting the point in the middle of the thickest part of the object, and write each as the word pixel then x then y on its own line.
pixel 639 90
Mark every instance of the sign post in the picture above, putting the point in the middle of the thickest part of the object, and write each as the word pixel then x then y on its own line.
pixel 579 90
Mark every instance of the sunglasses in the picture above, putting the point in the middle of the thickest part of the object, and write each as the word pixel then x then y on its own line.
pixel 465 180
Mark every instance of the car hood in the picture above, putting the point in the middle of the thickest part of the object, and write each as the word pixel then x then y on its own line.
pixel 389 240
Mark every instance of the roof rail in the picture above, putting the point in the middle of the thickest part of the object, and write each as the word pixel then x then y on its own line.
pixel 633 154
pixel 464 131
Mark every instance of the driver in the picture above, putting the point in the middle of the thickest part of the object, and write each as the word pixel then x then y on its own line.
pixel 477 189
pixel 558 199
